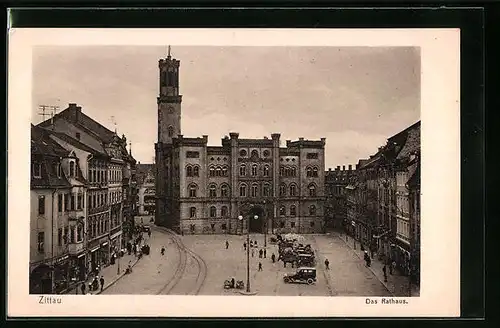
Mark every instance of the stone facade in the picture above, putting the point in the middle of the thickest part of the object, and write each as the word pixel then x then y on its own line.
pixel 205 189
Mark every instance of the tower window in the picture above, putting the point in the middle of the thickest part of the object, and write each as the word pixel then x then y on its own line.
pixel 254 190
pixel 266 171
pixel 243 190
pixel 163 78
pixel 223 211
pixel 224 191
pixel 213 212
pixel 312 210
pixel 213 191
pixel 293 190
pixel 266 191
pixel 254 170
pixel 192 190
pixel 282 190
pixel 293 210
pixel 189 171
pixel 192 212
pixel 282 210
pixel 224 171
pixel 243 170
pixel 196 171
pixel 312 190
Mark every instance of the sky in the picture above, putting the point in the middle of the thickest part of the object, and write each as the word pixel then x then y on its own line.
pixel 355 97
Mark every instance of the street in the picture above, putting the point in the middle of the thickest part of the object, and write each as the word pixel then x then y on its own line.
pixel 199 264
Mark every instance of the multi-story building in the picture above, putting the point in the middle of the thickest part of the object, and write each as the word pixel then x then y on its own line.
pixel 58 189
pixel 146 201
pixel 103 156
pixel 205 189
pixel 336 182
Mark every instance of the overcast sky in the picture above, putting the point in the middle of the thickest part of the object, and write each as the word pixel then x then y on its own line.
pixel 356 97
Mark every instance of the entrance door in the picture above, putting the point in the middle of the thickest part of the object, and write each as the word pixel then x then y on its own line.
pixel 256 225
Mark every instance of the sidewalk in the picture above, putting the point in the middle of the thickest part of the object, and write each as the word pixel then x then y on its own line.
pixel 396 283
pixel 110 274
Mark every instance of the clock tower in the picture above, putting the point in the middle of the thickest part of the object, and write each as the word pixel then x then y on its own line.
pixel 169 101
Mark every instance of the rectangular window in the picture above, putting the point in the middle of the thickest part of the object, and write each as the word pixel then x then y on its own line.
pixel 94 200
pixel 192 154
pixel 41 204
pixel 80 201
pixel 73 207
pixel 292 224
pixel 59 236
pixel 37 170
pixel 79 233
pixel 223 226
pixel 40 242
pixel 65 237
pixel 66 202
pixel 72 235
pixel 60 202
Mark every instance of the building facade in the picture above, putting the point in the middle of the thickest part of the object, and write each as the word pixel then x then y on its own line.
pixel 146 200
pixel 206 189
pixel 103 158
pixel 57 222
pixel 336 182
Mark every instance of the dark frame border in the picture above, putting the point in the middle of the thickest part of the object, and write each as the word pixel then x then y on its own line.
pixel 469 20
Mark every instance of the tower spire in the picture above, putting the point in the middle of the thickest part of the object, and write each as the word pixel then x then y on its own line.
pixel 168 51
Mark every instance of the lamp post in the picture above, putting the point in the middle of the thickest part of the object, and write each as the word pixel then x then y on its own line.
pixel 265 225
pixel 248 248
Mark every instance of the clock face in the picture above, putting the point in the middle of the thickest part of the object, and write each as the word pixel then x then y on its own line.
pixel 170 110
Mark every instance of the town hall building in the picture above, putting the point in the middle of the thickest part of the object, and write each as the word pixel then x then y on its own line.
pixel 243 184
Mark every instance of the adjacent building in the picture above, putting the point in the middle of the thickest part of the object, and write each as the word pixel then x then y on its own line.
pixel 216 189
pixel 336 182
pixel 99 171
pixel 146 200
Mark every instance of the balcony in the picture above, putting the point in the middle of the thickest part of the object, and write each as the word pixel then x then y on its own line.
pixel 76 248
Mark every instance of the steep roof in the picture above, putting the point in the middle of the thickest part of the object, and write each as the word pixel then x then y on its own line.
pixel 412 144
pixel 47 153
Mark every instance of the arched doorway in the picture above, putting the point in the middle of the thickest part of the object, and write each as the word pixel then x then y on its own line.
pixel 256 225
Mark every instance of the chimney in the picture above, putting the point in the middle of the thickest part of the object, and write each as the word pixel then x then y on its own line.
pixel 205 138
pixel 234 135
pixel 350 167
pixel 338 167
pixel 301 139
pixel 343 167
pixel 275 136
pixel 329 169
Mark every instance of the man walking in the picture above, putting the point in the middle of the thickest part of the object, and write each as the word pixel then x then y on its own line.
pixel 273 258
pixel 260 266
pixel 260 253
pixel 252 252
pixel 327 264
pixel 384 269
pixel 227 244
pixel 264 253
pixel 245 246
pixel 102 283
pixel 162 251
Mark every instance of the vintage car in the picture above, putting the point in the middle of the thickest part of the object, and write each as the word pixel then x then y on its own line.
pixel 305 259
pixel 303 275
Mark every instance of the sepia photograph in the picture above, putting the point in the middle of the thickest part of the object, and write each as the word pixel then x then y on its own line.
pixel 226 170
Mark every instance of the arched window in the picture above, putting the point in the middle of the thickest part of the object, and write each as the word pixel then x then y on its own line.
pixel 243 190
pixel 254 170
pixel 309 172
pixel 293 210
pixel 282 189
pixel 224 171
pixel 282 171
pixel 266 190
pixel 287 171
pixel 224 191
pixel 192 212
pixel 312 190
pixel 266 170
pixel 293 190
pixel 212 171
pixel 163 78
pixel 192 190
pixel 213 211
pixel 255 153
pixel 282 210
pixel 213 191
pixel 294 172
pixel 223 211
pixel 254 192
pixel 72 169
pixel 312 210
pixel 170 131
pixel 196 171
pixel 189 171
pixel 243 170
pixel 315 172
pixel 218 171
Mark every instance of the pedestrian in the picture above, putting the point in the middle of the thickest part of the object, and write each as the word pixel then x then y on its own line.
pixel 393 267
pixel 245 246
pixel 327 264
pixel 260 253
pixel 264 253
pixel 367 258
pixel 252 252
pixel 102 283
pixel 260 266
pixel 255 243
pixel 83 288
pixel 149 233
pixel 163 250
pixel 134 248
pixel 384 269
pixel 273 258
pixel 251 243
pixel 227 244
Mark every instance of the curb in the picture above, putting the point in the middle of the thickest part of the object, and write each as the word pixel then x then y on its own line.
pixel 370 268
pixel 116 279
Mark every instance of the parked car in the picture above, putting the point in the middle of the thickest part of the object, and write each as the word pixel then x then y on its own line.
pixel 146 228
pixel 303 275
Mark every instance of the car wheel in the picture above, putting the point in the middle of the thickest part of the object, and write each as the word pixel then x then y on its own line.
pixel 310 281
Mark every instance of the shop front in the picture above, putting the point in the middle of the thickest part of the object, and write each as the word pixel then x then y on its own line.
pixel 41 279
pixel 104 254
pixel 61 273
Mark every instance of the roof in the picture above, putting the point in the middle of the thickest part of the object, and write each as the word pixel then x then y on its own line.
pixel 75 115
pixel 42 144
pixel 412 144
pixel 415 178
pixel 78 144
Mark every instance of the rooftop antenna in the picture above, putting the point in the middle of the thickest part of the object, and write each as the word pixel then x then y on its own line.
pixel 53 112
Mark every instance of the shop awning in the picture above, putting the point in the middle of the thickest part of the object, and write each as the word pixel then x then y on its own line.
pixel 95 249
pixel 81 255
pixel 104 244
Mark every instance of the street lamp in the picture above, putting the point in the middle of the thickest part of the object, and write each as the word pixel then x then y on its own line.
pixel 248 247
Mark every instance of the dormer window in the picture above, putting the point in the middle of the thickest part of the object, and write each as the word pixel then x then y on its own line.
pixel 37 170
pixel 71 169
pixel 58 170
